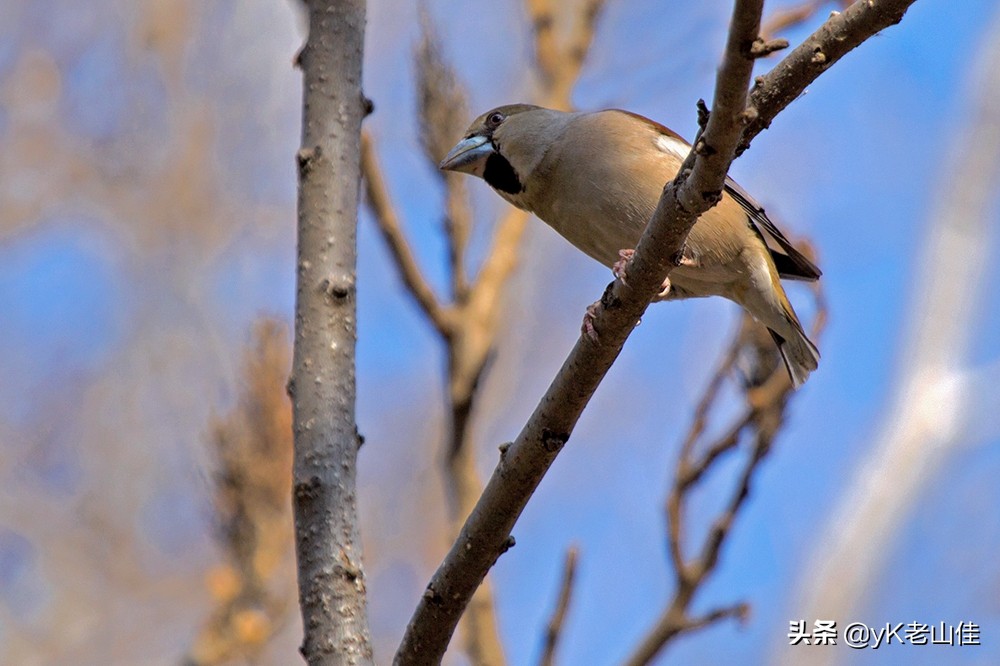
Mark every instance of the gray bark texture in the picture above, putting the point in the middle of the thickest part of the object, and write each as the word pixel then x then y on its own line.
pixel 328 546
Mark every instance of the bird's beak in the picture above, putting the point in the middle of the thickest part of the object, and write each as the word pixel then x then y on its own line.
pixel 468 155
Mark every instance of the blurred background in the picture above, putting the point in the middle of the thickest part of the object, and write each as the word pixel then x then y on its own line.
pixel 147 212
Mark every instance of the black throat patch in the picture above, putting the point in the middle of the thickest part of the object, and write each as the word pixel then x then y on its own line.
pixel 501 175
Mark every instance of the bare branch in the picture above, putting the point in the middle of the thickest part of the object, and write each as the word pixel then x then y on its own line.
pixel 766 391
pixel 691 575
pixel 479 307
pixel 485 534
pixel 443 111
pixel 322 388
pixel 840 34
pixel 558 66
pixel 377 197
pixel 253 590
pixel 791 16
pixel 553 630
pixel 469 324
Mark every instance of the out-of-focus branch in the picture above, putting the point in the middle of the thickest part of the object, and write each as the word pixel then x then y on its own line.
pixel 469 323
pixel 332 592
pixel 387 220
pixel 766 391
pixel 558 65
pixel 553 630
pixel 789 17
pixel 444 112
pixel 253 448
pixel 486 533
pixel 927 414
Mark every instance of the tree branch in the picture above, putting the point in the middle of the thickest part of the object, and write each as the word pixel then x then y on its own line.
pixel 840 34
pixel 792 16
pixel 444 113
pixel 322 388
pixel 553 630
pixel 468 324
pixel 387 221
pixel 766 391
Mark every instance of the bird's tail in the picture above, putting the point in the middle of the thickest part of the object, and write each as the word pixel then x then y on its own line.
pixel 797 351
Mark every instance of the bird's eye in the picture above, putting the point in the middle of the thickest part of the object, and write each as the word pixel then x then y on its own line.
pixel 495 119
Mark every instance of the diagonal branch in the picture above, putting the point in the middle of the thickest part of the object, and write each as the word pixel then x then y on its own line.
pixel 486 534
pixel 840 34
pixel 388 224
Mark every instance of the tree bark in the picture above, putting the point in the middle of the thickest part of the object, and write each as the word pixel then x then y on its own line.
pixel 332 592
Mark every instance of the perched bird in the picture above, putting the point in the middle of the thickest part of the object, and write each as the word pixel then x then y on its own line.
pixel 596 179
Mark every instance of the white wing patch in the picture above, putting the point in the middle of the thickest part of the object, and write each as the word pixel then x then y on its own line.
pixel 674 146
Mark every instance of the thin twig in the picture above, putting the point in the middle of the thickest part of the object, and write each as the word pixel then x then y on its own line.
pixel 553 630
pixel 388 224
pixel 766 400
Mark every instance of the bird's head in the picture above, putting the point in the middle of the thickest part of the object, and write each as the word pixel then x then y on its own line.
pixel 503 147
pixel 482 140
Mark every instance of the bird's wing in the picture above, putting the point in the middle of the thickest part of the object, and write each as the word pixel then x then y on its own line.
pixel 791 263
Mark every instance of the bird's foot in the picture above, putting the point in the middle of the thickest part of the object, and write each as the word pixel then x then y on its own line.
pixel 620 271
pixel 664 290
pixel 620 267
pixel 587 329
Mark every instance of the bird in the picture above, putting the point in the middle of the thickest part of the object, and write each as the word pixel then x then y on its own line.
pixel 596 177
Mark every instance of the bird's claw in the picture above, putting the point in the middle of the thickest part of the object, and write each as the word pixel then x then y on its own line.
pixel 620 268
pixel 587 329
pixel 664 290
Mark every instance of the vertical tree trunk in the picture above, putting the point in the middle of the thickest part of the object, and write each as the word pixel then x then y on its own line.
pixel 331 578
